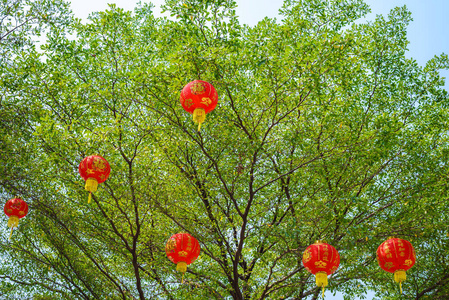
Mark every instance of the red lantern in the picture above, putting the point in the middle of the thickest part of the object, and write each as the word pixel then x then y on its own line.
pixel 94 169
pixel 15 209
pixel 396 256
pixel 321 259
pixel 199 98
pixel 182 249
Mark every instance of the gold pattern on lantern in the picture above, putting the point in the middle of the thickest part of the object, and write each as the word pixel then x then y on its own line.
pixel 182 253
pixel 320 264
pixel 408 262
pixel 206 101
pixel 16 205
pixel 325 254
pixel 388 265
pixel 21 213
pixel 307 255
pixel 9 211
pixel 99 164
pixel 90 171
pixel 188 103
pixel 197 88
pixel 170 246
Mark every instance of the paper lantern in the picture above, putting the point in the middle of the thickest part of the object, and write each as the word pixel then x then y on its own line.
pixel 182 249
pixel 321 259
pixel 396 256
pixel 199 98
pixel 94 169
pixel 15 209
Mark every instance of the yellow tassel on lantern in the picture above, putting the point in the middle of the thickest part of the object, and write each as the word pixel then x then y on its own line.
pixel 181 267
pixel 321 280
pixel 399 277
pixel 13 222
pixel 199 116
pixel 91 186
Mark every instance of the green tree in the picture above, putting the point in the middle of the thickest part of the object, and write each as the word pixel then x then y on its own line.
pixel 21 23
pixel 21 20
pixel 324 130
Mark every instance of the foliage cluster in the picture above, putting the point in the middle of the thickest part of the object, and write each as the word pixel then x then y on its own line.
pixel 324 130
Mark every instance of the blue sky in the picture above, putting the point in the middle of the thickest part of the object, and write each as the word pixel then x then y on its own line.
pixel 428 33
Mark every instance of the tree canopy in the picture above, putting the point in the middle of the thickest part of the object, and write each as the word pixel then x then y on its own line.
pixel 324 130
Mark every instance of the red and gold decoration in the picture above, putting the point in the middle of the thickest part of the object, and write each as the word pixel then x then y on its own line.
pixel 321 259
pixel 396 256
pixel 182 249
pixel 199 98
pixel 94 169
pixel 15 209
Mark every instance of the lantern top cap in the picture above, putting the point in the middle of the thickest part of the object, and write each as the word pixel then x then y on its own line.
pixel 320 242
pixel 391 237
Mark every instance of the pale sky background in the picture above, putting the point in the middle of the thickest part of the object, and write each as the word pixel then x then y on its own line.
pixel 428 33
